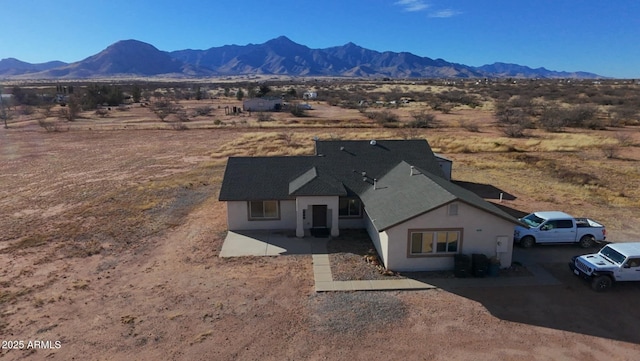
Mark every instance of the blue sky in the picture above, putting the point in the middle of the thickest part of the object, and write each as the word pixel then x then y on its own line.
pixel 570 35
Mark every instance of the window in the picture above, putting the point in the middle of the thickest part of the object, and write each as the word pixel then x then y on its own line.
pixel 632 263
pixel 532 220
pixel 350 207
pixel 434 242
pixel 264 210
pixel 555 224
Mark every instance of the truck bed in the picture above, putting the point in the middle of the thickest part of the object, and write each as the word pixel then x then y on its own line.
pixel 586 222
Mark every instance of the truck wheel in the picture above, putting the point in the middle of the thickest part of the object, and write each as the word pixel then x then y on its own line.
pixel 527 242
pixel 586 242
pixel 601 283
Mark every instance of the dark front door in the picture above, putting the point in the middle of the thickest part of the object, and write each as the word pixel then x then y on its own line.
pixel 319 216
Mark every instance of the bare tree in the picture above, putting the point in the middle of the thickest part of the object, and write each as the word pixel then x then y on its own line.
pixel 72 109
pixel 163 108
pixel 5 115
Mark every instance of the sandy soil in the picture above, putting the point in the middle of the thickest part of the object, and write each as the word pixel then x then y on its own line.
pixel 109 245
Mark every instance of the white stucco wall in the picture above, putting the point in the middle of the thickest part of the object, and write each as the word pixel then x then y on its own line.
pixel 480 233
pixel 238 217
pixel 379 239
pixel 306 203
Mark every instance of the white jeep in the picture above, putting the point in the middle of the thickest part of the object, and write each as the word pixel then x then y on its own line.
pixel 616 262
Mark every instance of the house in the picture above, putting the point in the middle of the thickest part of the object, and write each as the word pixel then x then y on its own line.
pixel 310 95
pixel 395 189
pixel 262 104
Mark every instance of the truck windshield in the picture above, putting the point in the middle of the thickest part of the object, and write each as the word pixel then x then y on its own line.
pixel 612 254
pixel 532 220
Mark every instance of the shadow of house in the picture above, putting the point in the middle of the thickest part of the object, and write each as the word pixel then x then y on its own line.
pixel 555 300
pixel 571 306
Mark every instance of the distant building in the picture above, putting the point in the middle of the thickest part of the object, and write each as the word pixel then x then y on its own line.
pixel 262 105
pixel 309 95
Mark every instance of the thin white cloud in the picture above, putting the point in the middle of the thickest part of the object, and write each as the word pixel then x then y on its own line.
pixel 446 13
pixel 412 5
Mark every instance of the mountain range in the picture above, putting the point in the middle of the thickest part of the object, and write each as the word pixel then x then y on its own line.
pixel 280 56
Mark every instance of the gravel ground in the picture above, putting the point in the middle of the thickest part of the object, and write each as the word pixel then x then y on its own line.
pixel 355 312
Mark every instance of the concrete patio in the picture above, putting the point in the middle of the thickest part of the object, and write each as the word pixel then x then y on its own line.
pixel 269 243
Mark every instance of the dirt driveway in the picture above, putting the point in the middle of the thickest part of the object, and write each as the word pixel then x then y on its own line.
pixel 109 245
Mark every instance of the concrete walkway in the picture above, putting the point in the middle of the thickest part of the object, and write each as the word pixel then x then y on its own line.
pixel 270 243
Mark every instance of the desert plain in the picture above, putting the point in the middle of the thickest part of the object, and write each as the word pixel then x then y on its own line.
pixel 110 230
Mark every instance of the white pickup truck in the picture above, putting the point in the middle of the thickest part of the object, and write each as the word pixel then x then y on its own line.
pixel 558 227
pixel 614 263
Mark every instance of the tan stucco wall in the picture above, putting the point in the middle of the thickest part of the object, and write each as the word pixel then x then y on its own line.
pixel 480 233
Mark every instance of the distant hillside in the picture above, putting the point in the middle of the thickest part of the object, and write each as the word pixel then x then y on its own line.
pixel 503 70
pixel 127 57
pixel 279 56
pixel 11 66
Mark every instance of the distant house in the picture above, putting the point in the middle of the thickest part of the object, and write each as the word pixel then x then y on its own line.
pixel 309 95
pixel 395 189
pixel 262 104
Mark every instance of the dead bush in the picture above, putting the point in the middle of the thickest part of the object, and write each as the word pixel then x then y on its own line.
pixel 470 126
pixel 203 111
pixel 178 125
pixel 610 151
pixel 623 139
pixel 264 117
pixel 552 119
pixel 514 130
pixel 422 119
pixel 49 126
pixel 384 118
pixel 102 113
pixel 287 137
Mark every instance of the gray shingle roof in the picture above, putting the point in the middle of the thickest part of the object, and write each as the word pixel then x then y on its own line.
pixel 403 193
pixel 349 168
pixel 315 184
pixel 256 178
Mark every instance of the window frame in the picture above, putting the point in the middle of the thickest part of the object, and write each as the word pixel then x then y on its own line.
pixel 434 242
pixel 360 208
pixel 252 217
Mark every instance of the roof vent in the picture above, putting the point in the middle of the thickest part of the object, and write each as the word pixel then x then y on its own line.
pixel 342 148
pixel 373 142
pixel 411 170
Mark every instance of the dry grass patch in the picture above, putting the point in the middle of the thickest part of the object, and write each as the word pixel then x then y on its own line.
pixel 291 142
pixel 492 143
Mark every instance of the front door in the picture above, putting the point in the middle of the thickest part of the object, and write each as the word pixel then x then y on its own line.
pixel 319 216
